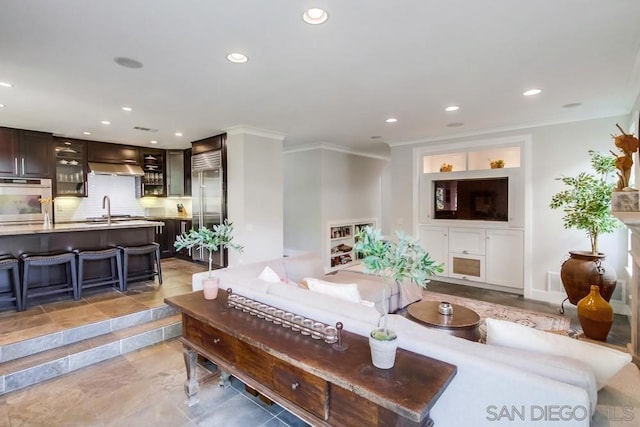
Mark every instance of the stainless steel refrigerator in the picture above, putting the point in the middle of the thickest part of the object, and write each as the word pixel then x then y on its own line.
pixel 208 199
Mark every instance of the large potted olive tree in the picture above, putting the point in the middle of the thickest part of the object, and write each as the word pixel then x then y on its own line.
pixel 586 205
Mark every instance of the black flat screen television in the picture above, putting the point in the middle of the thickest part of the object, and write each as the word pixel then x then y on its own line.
pixel 484 199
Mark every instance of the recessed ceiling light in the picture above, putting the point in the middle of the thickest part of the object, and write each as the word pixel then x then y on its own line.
pixel 127 108
pixel 455 124
pixel 237 58
pixel 5 84
pixel 315 16
pixel 128 62
pixel 572 105
pixel 86 133
pixel 452 108
pixel 1 105
pixel 153 141
pixel 391 120
pixel 532 92
pixel 178 133
pixel 105 122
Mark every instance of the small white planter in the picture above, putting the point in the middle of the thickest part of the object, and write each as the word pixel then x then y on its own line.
pixel 383 353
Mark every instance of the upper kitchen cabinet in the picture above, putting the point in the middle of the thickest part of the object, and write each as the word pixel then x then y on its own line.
pixel 104 152
pixel 71 161
pixel 153 165
pixel 25 153
pixel 175 173
pixel 208 144
pixel 187 172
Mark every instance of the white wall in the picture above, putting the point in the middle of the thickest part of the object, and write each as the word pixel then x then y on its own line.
pixel 255 194
pixel 322 186
pixel 555 150
pixel 302 201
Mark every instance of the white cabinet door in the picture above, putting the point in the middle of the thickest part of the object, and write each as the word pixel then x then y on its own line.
pixel 505 258
pixel 435 240
pixel 468 241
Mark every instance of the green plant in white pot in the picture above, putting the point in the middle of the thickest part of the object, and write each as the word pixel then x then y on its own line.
pixel 399 260
pixel 220 237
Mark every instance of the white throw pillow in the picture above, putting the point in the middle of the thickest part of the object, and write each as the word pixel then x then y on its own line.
pixel 345 291
pixel 605 362
pixel 268 275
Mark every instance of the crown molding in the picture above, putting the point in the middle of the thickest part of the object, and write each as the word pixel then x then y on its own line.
pixel 500 130
pixel 250 130
pixel 333 147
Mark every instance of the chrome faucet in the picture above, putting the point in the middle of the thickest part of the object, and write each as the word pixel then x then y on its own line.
pixel 108 202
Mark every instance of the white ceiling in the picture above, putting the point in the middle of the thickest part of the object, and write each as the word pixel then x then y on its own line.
pixel 335 83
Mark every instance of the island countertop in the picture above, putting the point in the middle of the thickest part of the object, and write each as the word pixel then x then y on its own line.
pixel 16 230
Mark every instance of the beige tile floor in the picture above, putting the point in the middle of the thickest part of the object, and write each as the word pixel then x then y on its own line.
pixel 145 388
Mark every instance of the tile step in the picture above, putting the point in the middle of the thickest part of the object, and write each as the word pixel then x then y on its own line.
pixel 45 342
pixel 44 365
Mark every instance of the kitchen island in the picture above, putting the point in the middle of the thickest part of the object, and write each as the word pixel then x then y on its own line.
pixel 65 237
pixel 18 239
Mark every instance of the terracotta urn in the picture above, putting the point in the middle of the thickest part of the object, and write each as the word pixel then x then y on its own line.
pixel 595 315
pixel 584 269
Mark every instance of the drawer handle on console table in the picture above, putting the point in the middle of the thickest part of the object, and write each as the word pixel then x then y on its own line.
pixel 216 340
pixel 295 385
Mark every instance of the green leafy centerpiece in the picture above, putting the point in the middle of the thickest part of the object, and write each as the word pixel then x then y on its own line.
pixel 404 259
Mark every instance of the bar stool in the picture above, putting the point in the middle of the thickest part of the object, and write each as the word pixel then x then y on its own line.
pixel 66 259
pixel 152 252
pixel 115 268
pixel 11 292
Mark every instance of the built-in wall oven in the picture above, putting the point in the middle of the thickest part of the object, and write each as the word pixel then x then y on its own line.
pixel 20 200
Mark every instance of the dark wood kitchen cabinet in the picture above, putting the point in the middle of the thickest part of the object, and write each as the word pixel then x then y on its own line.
pixel 71 161
pixel 153 181
pixel 25 153
pixel 105 152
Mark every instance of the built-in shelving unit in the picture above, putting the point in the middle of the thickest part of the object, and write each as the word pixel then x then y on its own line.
pixel 472 160
pixel 468 219
pixel 341 241
pixel 70 168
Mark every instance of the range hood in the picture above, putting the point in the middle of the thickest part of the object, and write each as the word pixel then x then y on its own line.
pixel 115 169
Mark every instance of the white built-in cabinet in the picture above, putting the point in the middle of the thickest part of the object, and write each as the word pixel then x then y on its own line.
pixel 505 249
pixel 474 250
pixel 341 239
pixel 476 254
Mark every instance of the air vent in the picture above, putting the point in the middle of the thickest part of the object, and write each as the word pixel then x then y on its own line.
pixel 145 129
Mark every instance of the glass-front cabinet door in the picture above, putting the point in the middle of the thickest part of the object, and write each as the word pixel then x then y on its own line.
pixel 71 173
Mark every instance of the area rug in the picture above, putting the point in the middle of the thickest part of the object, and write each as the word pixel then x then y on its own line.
pixel 534 319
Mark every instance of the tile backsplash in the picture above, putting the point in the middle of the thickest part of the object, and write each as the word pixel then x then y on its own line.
pixel 122 193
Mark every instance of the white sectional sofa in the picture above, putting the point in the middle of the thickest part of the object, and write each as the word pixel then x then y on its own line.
pixel 494 385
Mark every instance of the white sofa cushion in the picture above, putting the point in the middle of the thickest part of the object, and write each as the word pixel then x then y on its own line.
pixel 268 275
pixel 300 266
pixel 345 291
pixel 487 377
pixel 605 362
pixel 334 308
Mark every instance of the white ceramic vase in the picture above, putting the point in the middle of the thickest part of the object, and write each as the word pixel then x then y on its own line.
pixel 210 287
pixel 383 352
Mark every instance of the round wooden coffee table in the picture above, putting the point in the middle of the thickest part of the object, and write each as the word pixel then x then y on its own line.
pixel 462 323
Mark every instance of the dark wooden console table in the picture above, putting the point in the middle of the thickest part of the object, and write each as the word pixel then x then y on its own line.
pixel 322 386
